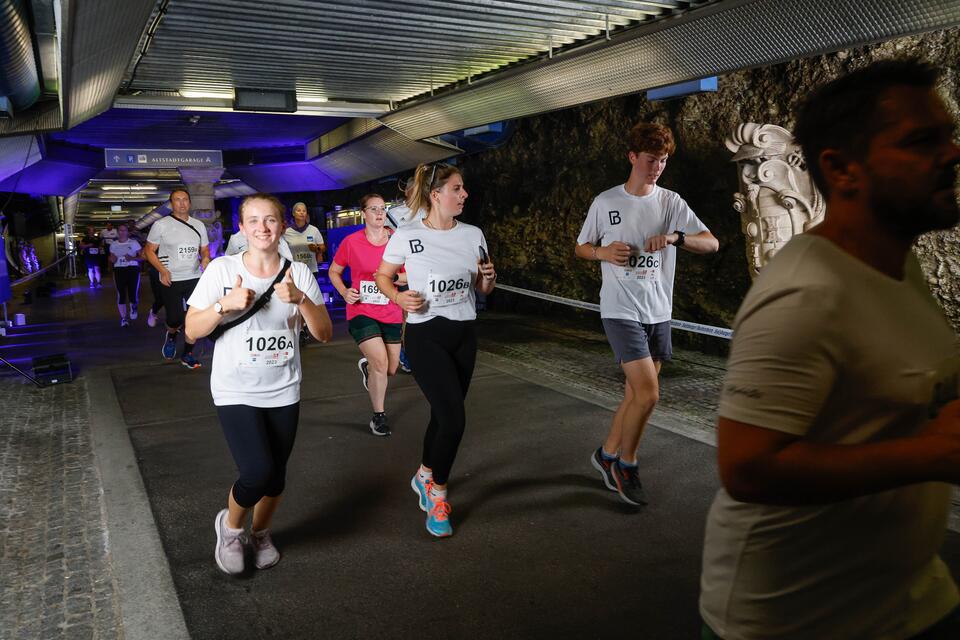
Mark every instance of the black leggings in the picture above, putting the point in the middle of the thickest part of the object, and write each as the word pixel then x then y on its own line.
pixel 260 440
pixel 156 288
pixel 127 280
pixel 174 298
pixel 442 354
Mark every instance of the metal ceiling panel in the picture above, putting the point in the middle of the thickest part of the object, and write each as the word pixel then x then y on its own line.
pixel 99 39
pixel 720 38
pixel 378 154
pixel 189 130
pixel 375 50
pixel 50 178
pixel 16 154
pixel 283 177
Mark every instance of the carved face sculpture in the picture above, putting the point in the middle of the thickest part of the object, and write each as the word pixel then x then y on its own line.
pixel 777 199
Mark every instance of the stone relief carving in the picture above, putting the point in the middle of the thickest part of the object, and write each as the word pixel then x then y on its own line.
pixel 777 198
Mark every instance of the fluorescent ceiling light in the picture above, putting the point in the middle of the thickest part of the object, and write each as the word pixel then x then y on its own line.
pixel 308 100
pixel 219 95
pixel 125 187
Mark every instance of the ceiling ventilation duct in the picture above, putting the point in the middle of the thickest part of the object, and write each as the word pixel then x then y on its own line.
pixel 19 81
pixel 361 151
pixel 720 38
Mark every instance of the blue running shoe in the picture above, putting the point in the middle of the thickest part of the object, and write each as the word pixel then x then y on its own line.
pixel 189 361
pixel 422 490
pixel 169 350
pixel 404 363
pixel 438 519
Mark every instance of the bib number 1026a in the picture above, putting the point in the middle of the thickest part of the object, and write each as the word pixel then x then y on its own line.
pixel 268 348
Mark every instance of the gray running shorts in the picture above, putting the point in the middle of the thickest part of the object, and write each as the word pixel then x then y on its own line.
pixel 632 340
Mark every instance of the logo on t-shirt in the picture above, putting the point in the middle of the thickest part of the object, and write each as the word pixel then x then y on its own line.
pixel 416 246
pixel 614 217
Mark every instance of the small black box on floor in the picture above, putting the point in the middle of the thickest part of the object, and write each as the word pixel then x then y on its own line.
pixel 53 369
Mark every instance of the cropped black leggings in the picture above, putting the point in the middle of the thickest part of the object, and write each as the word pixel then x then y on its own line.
pixel 127 280
pixel 260 440
pixel 442 354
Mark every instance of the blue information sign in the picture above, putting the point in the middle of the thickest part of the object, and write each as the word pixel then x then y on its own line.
pixel 161 158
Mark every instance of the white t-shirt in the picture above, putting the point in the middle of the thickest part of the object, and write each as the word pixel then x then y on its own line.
pixel 109 236
pixel 298 241
pixel 126 253
pixel 257 363
pixel 238 244
pixel 441 266
pixel 642 291
pixel 179 249
pixel 402 215
pixel 833 351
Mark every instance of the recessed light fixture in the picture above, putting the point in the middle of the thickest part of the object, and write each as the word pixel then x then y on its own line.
pixel 186 93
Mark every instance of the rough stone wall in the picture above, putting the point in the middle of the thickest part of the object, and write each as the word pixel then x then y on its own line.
pixel 530 196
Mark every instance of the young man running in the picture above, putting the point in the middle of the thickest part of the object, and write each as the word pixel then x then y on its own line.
pixel 634 229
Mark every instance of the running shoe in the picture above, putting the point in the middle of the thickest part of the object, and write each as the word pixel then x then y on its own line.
pixel 378 425
pixel 404 363
pixel 438 519
pixel 99 285
pixel 364 367
pixel 133 313
pixel 189 361
pixel 151 319
pixel 229 550
pixel 603 465
pixel 264 553
pixel 169 350
pixel 628 484
pixel 422 490
pixel 124 323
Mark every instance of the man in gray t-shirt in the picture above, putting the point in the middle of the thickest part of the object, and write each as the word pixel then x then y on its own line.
pixel 634 230
pixel 177 248
pixel 839 422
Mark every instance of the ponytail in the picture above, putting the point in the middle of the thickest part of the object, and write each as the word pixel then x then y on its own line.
pixel 427 178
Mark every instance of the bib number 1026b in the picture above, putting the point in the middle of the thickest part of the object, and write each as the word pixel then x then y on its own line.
pixel 452 284
pixel 269 343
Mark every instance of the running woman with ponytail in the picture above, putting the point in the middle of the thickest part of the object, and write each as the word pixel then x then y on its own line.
pixel 445 260
pixel 375 323
pixel 261 300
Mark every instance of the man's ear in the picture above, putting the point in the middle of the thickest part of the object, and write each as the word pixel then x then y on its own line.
pixel 841 172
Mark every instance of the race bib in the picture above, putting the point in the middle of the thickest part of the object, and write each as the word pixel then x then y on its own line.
pixel 187 252
pixel 303 256
pixel 370 294
pixel 642 267
pixel 267 348
pixel 93 251
pixel 445 290
pixel 121 262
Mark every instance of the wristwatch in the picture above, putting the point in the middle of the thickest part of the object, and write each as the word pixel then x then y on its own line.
pixel 218 308
pixel 681 238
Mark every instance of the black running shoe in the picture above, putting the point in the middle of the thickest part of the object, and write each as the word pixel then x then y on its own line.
pixel 378 425
pixel 603 465
pixel 628 484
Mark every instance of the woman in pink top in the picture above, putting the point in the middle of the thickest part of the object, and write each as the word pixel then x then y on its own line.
pixel 375 322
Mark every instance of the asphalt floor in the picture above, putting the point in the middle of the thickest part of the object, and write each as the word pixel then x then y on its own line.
pixel 541 549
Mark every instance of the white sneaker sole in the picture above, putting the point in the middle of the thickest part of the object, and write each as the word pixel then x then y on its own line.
pixel 413 485
pixel 363 376
pixel 603 474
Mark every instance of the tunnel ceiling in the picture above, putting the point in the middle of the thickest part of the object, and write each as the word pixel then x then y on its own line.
pixel 414 68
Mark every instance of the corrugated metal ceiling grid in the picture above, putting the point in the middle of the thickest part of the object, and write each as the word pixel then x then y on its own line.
pixel 723 38
pixel 374 50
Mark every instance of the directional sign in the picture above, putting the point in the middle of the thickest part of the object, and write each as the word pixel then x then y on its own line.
pixel 161 158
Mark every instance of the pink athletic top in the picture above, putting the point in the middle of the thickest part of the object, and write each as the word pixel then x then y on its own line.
pixel 363 258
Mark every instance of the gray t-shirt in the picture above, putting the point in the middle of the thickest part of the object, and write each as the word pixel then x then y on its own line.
pixel 831 350
pixel 179 246
pixel 643 290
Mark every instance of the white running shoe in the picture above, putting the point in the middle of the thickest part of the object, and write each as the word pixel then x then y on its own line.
pixel 133 313
pixel 151 319
pixel 229 550
pixel 264 553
